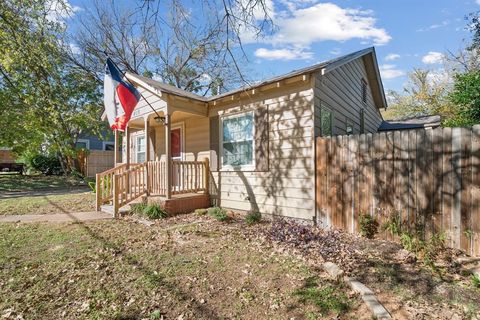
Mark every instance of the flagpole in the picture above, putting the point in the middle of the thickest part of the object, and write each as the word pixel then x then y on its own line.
pixel 124 76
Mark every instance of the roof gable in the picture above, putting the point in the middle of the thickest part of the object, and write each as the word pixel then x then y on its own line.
pixel 368 55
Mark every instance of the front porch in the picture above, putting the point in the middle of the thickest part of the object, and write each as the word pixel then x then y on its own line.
pixel 183 190
pixel 155 160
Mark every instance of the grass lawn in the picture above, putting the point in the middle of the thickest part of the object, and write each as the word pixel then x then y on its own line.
pixel 186 267
pixel 56 203
pixel 17 182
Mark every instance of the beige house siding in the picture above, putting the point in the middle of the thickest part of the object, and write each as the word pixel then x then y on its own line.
pixel 287 187
pixel 341 91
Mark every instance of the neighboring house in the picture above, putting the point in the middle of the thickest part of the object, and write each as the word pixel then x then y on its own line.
pixel 93 142
pixel 260 140
pixel 100 153
pixel 422 122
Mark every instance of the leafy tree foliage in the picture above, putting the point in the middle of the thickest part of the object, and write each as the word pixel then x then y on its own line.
pixel 424 94
pixel 465 95
pixel 452 92
pixel 46 101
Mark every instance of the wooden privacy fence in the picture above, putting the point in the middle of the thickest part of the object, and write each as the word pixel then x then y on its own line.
pixel 430 179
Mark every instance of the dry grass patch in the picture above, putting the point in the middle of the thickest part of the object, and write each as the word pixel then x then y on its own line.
pixel 188 266
pixel 57 203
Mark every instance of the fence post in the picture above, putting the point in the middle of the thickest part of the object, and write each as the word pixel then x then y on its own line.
pixel 98 192
pixel 206 175
pixel 115 195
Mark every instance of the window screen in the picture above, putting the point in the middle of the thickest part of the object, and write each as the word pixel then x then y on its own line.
pixel 326 122
pixel 238 140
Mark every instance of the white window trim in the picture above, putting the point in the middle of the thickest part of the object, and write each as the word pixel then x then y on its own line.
pixel 180 125
pixel 104 143
pixel 228 167
pixel 86 141
pixel 136 147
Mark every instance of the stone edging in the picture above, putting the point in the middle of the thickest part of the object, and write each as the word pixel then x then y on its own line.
pixel 368 297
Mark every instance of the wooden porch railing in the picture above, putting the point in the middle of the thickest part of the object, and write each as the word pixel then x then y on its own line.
pixel 104 184
pixel 121 186
pixel 129 185
pixel 189 176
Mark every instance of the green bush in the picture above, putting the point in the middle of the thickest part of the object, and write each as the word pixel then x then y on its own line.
pixel 368 226
pixel 153 211
pixel 218 214
pixel 138 208
pixel 393 225
pixel 48 165
pixel 253 217
pixel 201 212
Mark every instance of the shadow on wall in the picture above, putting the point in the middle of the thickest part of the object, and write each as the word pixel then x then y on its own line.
pixel 286 187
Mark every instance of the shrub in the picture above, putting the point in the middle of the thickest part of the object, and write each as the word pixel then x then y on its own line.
pixel 368 226
pixel 201 212
pixel 153 211
pixel 393 225
pixel 48 165
pixel 93 186
pixel 137 208
pixel 476 281
pixel 218 214
pixel 253 217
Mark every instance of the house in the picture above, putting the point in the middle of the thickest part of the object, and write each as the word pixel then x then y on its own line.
pixel 247 149
pixel 99 155
pixel 422 122
pixel 93 142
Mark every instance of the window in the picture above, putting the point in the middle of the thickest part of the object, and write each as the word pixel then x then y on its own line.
pixel 140 151
pixel 326 122
pixel 237 140
pixel 108 146
pixel 349 128
pixel 364 91
pixel 83 144
pixel 362 120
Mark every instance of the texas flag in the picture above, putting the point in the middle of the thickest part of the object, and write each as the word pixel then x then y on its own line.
pixel 120 97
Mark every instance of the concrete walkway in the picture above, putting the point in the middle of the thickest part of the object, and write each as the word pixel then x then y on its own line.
pixel 57 217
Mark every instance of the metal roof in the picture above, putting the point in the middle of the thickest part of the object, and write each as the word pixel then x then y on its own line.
pixel 411 123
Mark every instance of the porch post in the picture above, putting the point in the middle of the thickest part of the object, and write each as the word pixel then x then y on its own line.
pixel 147 139
pixel 147 152
pixel 116 155
pixel 127 146
pixel 168 155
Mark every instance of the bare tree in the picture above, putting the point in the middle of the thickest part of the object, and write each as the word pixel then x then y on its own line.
pixel 197 50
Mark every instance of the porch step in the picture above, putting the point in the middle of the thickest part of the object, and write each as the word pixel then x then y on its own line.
pixel 108 208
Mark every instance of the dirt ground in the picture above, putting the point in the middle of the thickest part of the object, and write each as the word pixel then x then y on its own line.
pixel 194 267
pixel 186 267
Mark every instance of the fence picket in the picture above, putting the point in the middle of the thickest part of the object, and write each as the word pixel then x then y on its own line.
pixel 431 178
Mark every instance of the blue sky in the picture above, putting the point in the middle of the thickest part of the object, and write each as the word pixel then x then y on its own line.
pixel 407 34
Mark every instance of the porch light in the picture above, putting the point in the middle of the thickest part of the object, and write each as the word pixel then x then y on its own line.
pixel 160 120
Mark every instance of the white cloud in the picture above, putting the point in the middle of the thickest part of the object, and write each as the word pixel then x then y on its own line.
pixel 303 23
pixel 393 56
pixel 433 57
pixel 74 48
pixel 283 54
pixel 390 71
pixel 435 26
pixel 58 11
pixel 478 2
pixel 327 21
pixel 335 51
